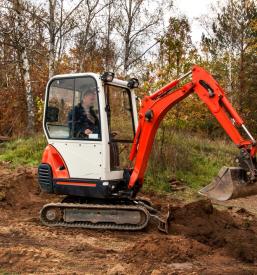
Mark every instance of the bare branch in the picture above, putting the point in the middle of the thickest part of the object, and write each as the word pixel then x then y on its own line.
pixel 141 55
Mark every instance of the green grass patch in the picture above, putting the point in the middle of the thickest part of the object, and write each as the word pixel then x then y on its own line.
pixel 187 158
pixel 23 151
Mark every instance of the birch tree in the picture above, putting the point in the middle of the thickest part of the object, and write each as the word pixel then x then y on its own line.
pixel 59 24
pixel 233 43
pixel 16 24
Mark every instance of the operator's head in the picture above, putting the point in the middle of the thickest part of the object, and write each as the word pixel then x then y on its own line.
pixel 89 97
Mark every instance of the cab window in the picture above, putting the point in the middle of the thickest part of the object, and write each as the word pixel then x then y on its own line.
pixel 72 109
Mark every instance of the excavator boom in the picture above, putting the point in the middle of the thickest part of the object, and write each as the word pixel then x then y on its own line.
pixel 231 182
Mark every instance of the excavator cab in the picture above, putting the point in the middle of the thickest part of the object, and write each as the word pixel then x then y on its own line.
pixel 89 121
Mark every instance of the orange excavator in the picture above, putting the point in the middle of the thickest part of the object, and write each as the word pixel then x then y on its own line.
pixel 89 119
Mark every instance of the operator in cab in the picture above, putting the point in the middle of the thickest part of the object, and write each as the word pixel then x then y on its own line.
pixel 84 116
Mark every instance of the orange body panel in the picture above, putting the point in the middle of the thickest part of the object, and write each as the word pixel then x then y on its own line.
pixel 52 157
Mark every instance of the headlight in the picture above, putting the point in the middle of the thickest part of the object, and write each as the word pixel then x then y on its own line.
pixel 133 83
pixel 107 76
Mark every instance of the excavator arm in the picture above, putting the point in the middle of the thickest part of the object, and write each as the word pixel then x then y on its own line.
pixel 155 107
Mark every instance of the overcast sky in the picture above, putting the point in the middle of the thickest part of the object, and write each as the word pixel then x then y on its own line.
pixel 193 9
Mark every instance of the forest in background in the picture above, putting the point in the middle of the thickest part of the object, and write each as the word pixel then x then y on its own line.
pixel 130 38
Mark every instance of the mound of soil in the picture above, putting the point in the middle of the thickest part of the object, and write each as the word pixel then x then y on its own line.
pixel 166 249
pixel 19 188
pixel 199 229
pixel 217 229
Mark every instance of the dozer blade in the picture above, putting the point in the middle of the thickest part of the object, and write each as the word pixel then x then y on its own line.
pixel 230 183
pixel 163 223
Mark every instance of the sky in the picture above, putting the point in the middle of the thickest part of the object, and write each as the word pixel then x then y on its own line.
pixel 193 9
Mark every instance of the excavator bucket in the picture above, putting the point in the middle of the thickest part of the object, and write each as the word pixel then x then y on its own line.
pixel 230 183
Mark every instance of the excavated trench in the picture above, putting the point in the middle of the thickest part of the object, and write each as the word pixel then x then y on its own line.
pixel 202 239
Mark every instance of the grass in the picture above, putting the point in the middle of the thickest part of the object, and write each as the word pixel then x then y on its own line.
pixel 23 151
pixel 2 272
pixel 178 155
pixel 189 159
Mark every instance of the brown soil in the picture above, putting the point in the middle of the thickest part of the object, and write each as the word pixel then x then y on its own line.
pixel 202 238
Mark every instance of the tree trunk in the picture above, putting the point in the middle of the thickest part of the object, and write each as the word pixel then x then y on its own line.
pixel 23 58
pixel 127 49
pixel 28 92
pixel 107 51
pixel 52 35
pixel 51 61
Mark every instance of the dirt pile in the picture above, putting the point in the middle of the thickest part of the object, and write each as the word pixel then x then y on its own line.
pixel 19 188
pixel 198 229
pixel 236 233
pixel 166 249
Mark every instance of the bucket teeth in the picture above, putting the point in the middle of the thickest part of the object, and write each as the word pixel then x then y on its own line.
pixel 230 183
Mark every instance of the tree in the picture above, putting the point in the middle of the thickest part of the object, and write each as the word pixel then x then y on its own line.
pixel 16 33
pixel 135 24
pixel 59 24
pixel 233 43
pixel 84 39
pixel 109 46
pixel 176 46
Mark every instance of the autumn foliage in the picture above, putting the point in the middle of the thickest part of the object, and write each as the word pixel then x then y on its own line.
pixel 38 41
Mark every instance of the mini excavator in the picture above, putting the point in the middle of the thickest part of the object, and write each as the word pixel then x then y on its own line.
pixel 93 171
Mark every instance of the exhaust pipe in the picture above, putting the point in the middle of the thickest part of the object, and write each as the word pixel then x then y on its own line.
pixel 231 183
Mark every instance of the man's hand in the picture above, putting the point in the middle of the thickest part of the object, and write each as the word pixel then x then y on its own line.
pixel 88 132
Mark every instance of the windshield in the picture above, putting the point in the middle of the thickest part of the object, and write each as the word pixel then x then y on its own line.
pixel 72 110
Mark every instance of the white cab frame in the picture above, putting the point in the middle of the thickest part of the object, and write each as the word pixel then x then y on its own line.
pixel 90 159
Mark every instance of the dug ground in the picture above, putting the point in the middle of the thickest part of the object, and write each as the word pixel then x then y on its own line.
pixel 203 238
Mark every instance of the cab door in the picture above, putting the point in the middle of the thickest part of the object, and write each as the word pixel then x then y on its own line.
pixel 121 125
pixel 82 154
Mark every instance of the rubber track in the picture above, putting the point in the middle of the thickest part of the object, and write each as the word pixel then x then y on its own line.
pixel 110 226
